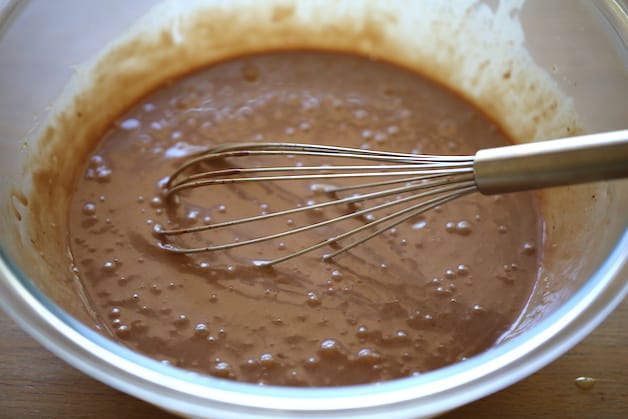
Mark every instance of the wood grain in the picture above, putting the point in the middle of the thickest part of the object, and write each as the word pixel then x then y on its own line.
pixel 36 384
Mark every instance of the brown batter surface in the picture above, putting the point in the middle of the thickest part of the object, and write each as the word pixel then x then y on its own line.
pixel 435 290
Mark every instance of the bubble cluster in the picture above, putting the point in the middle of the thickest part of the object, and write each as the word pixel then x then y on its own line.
pixel 420 223
pixel 268 361
pixel 201 330
pixel 130 124
pixel 123 331
pixel 222 369
pixel 362 331
pixel 462 228
pixel 462 270
pixel 89 209
pixel 313 299
pixel 109 266
pixel 98 169
pixel 330 348
pixel 528 248
pixel 368 356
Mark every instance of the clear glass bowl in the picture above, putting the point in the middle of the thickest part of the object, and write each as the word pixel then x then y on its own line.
pixel 583 45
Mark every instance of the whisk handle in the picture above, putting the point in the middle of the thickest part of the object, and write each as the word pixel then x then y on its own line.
pixel 543 164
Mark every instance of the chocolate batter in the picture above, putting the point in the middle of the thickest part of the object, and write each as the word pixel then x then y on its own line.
pixel 431 292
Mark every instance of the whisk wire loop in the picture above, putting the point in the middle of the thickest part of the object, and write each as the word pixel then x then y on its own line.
pixel 431 180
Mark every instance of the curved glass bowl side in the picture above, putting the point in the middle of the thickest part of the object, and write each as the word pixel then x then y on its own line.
pixel 203 396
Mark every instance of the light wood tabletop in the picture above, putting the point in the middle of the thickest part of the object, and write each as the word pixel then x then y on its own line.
pixel 36 384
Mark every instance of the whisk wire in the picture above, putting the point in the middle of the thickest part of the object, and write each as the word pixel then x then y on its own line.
pixel 194 183
pixel 347 200
pixel 413 211
pixel 439 178
pixel 284 149
pixel 175 249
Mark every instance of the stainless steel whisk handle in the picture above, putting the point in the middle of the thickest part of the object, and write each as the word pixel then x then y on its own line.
pixel 542 164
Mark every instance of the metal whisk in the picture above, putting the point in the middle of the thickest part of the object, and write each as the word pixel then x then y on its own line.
pixel 416 182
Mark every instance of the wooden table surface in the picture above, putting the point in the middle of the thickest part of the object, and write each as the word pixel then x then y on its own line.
pixel 36 384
